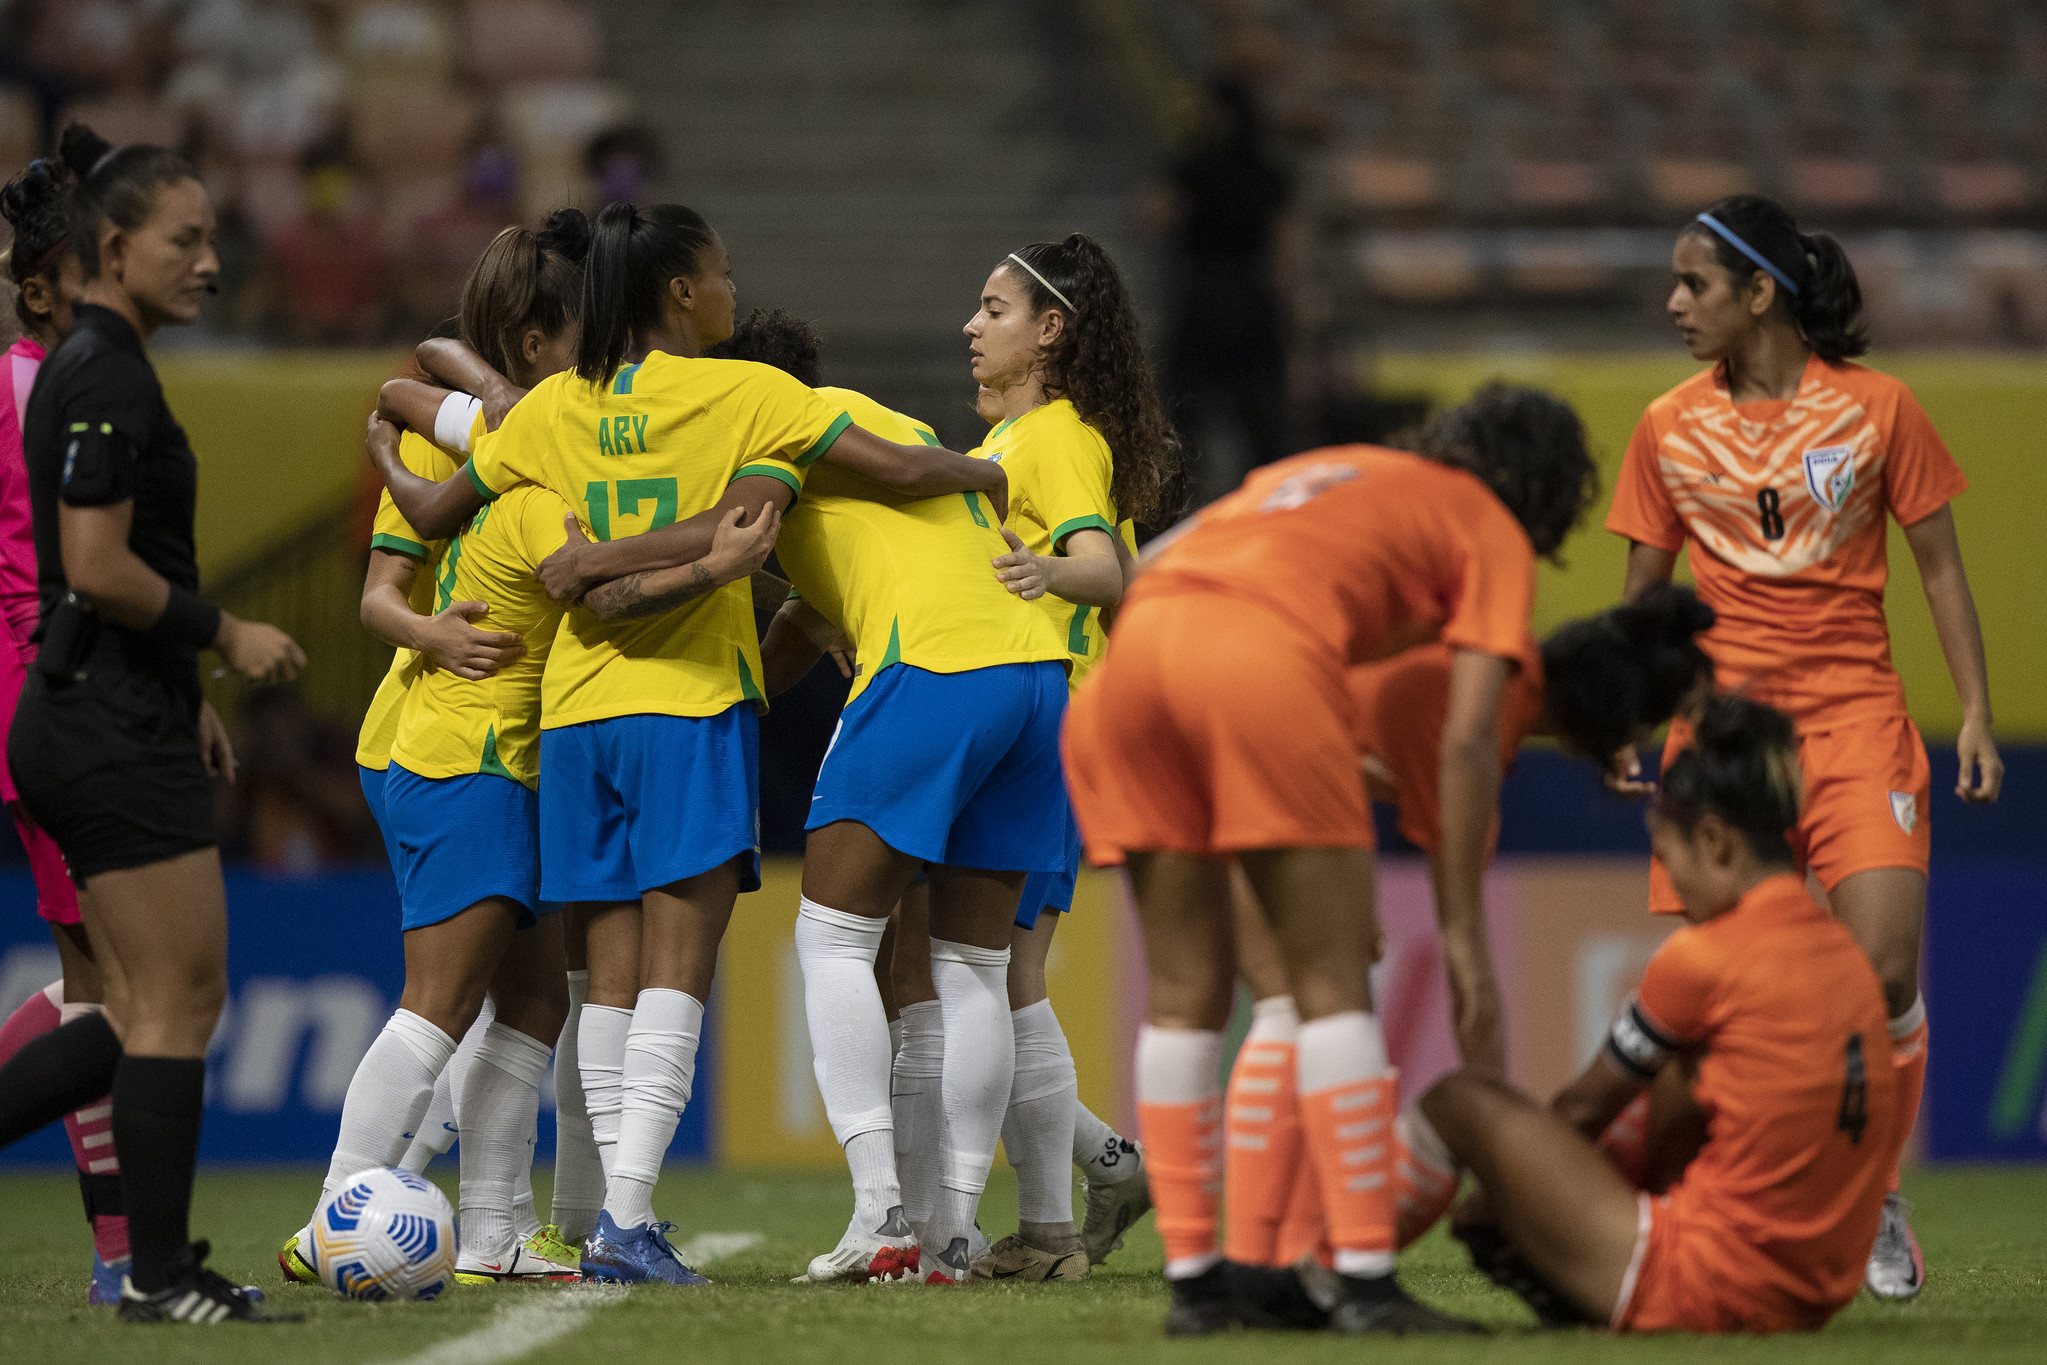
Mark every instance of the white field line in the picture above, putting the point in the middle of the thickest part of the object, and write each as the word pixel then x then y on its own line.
pixel 519 1330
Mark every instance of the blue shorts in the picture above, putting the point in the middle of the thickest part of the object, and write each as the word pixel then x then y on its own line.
pixel 960 769
pixel 460 839
pixel 373 793
pixel 637 802
pixel 1052 890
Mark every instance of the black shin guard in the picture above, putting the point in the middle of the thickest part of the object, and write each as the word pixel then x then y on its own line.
pixel 157 1103
pixel 64 1070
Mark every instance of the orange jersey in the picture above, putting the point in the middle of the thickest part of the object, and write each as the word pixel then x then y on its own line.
pixel 1783 505
pixel 1364 552
pixel 1401 705
pixel 1788 1022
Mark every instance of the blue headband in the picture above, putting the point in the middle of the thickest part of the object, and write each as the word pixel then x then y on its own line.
pixel 1762 262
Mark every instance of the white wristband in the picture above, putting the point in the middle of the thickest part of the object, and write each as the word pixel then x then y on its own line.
pixel 453 421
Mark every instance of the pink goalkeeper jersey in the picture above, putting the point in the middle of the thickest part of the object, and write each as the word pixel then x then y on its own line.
pixel 18 604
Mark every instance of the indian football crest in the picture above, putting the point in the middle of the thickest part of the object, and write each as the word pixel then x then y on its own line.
pixel 1830 474
pixel 1905 810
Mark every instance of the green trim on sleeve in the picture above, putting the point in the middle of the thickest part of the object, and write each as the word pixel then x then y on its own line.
pixel 476 482
pixel 386 541
pixel 768 471
pixel 929 438
pixel 824 442
pixel 1090 522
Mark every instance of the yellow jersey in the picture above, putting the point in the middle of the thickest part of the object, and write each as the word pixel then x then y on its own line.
pixel 1060 472
pixel 450 726
pixel 390 531
pixel 907 580
pixel 659 443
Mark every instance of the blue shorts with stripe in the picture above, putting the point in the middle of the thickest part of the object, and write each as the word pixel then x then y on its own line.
pixel 960 769
pixel 373 792
pixel 637 802
pixel 460 839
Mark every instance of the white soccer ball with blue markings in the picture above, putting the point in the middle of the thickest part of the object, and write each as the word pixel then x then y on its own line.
pixel 385 1235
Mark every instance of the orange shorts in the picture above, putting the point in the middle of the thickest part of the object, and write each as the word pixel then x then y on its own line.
pixel 1211 727
pixel 1692 1272
pixel 1867 790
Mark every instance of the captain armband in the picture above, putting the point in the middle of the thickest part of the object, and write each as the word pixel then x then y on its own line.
pixel 1635 1043
pixel 455 420
pixel 99 465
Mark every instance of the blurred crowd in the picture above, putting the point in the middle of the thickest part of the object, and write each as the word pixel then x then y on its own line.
pixel 361 152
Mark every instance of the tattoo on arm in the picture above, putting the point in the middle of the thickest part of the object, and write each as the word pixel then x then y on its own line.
pixel 626 598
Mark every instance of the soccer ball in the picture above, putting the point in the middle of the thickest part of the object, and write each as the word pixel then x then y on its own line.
pixel 386 1234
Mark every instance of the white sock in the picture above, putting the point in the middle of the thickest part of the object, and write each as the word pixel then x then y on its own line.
pixel 1343 1049
pixel 443 1122
pixel 1104 1156
pixel 1037 1132
pixel 600 1060
pixel 578 1173
pixel 980 1064
pixel 918 1100
pixel 1183 1066
pixel 525 1218
pixel 660 1066
pixel 895 1035
pixel 389 1095
pixel 849 1042
pixel 500 1098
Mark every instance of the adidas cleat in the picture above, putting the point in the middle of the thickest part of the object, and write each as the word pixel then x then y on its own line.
pixel 887 1253
pixel 1013 1258
pixel 951 1266
pixel 197 1295
pixel 1896 1271
pixel 638 1255
pixel 296 1259
pixel 520 1265
pixel 105 1291
pixel 1114 1208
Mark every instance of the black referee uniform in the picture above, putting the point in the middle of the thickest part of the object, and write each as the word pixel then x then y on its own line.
pixel 105 742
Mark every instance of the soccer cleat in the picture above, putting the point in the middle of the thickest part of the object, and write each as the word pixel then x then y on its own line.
pixel 1113 1209
pixel 887 1253
pixel 197 1295
pixel 549 1245
pixel 638 1255
pixel 1013 1258
pixel 296 1260
pixel 1202 1304
pixel 951 1266
pixel 521 1264
pixel 106 1282
pixel 1275 1298
pixel 1896 1271
pixel 1380 1307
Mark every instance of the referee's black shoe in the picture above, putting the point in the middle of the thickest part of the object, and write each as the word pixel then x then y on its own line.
pixel 196 1295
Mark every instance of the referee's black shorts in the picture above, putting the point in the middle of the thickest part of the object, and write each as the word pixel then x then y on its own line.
pixel 110 767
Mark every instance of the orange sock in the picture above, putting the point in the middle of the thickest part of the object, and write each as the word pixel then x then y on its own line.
pixel 1423 1184
pixel 1626 1140
pixel 1183 1161
pixel 1304 1231
pixel 1908 1055
pixel 1350 1136
pixel 1262 1135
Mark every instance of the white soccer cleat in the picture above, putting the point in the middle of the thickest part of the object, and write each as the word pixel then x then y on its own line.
pixel 1113 1209
pixel 520 1265
pixel 861 1257
pixel 1896 1271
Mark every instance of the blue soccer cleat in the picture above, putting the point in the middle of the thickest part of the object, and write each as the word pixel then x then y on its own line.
pixel 106 1282
pixel 638 1255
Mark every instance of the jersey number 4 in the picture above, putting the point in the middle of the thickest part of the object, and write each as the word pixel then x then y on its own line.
pixel 1854 1113
pixel 631 493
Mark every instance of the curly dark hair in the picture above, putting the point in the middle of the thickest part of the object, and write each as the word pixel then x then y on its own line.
pixel 34 204
pixel 1528 446
pixel 1607 678
pixel 1098 363
pixel 773 336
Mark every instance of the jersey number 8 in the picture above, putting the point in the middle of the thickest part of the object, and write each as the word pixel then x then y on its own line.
pixel 1773 516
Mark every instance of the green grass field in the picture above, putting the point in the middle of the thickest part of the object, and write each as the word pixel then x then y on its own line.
pixel 1983 1231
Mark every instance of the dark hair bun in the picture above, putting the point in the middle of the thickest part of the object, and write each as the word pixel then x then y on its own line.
pixel 1609 677
pixel 81 149
pixel 1664 615
pixel 35 192
pixel 566 233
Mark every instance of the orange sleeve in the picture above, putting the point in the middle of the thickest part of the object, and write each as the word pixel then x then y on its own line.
pixel 1677 988
pixel 1497 595
pixel 1920 476
pixel 1642 509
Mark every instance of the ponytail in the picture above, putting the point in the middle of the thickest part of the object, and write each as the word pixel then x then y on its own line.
pixel 1608 678
pixel 113 185
pixel 525 279
pixel 1742 766
pixel 1827 307
pixel 1098 364
pixel 633 255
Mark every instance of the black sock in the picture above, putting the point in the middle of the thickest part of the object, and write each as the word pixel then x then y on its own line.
pixel 65 1069
pixel 157 1103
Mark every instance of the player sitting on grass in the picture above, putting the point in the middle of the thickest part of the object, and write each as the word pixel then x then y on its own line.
pixel 1771 1008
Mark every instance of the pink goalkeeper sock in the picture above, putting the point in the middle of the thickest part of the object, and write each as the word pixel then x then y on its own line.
pixel 38 1014
pixel 91 1129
